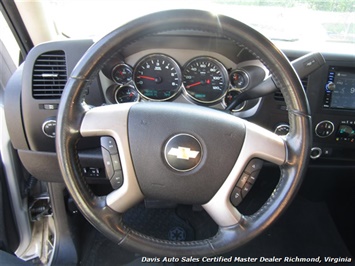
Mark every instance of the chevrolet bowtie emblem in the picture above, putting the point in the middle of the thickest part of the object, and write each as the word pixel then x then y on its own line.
pixel 183 153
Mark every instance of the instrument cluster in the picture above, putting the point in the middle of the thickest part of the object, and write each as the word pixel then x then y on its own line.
pixel 158 77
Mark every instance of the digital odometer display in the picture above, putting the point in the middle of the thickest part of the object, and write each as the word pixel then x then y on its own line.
pixel 157 77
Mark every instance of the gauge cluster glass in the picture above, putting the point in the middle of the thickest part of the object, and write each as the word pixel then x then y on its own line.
pixel 125 94
pixel 239 79
pixel 121 74
pixel 205 79
pixel 157 77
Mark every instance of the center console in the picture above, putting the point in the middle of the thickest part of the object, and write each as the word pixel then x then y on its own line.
pixel 332 100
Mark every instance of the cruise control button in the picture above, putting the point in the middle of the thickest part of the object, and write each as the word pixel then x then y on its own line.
pixel 116 162
pixel 253 176
pixel 108 163
pixel 242 180
pixel 246 189
pixel 236 196
pixel 117 180
pixel 253 165
pixel 109 144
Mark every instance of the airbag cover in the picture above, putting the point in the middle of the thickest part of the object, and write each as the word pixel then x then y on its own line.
pixel 159 132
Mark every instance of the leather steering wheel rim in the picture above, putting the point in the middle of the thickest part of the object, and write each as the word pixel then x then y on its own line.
pixel 73 110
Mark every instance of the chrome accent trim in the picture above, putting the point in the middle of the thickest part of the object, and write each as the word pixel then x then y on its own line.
pixel 176 67
pixel 44 124
pixel 111 120
pixel 246 75
pixel 319 153
pixel 121 65
pixel 126 85
pixel 258 143
pixel 243 104
pixel 324 121
pixel 191 152
pixel 224 73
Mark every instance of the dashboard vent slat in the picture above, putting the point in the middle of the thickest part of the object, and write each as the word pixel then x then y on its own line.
pixel 49 75
pixel 280 98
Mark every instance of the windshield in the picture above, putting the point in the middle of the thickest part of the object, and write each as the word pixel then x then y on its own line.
pixel 289 21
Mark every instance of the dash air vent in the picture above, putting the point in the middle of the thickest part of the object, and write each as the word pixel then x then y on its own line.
pixel 49 75
pixel 280 98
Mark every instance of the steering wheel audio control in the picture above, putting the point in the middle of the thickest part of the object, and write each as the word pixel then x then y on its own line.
pixel 112 162
pixel 246 181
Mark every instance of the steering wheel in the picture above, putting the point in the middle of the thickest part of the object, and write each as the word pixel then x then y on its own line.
pixel 147 133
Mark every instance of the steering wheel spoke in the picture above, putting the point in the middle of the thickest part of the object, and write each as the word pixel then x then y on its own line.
pixel 111 121
pixel 258 143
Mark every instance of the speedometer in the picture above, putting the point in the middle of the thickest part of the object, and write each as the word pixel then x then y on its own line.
pixel 205 79
pixel 157 77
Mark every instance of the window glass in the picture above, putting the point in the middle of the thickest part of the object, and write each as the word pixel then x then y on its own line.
pixel 8 43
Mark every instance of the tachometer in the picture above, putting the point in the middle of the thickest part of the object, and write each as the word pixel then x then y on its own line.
pixel 157 77
pixel 205 79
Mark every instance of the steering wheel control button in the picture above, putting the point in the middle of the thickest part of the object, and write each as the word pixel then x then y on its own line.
pixel 109 144
pixel 116 163
pixel 254 165
pixel 246 189
pixel 117 180
pixel 108 162
pixel 324 129
pixel 253 176
pixel 112 161
pixel 48 128
pixel 236 196
pixel 243 179
pixel 183 152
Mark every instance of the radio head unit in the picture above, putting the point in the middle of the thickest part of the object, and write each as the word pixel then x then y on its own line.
pixel 340 88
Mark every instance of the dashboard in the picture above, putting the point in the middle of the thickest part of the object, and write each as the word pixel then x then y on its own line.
pixel 182 67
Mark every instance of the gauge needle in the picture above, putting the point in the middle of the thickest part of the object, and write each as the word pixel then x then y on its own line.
pixel 193 85
pixel 146 77
pixel 198 83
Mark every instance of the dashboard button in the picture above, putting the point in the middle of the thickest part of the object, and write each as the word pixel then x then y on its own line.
pixel 324 129
pixel 253 165
pixel 109 144
pixel 242 180
pixel 253 176
pixel 246 189
pixel 117 180
pixel 236 196
pixel 108 163
pixel 116 162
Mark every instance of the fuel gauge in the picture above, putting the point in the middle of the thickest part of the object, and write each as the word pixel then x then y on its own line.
pixel 122 74
pixel 126 94
pixel 229 98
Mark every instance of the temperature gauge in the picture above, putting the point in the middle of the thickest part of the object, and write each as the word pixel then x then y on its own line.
pixel 122 74
pixel 239 79
pixel 126 94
